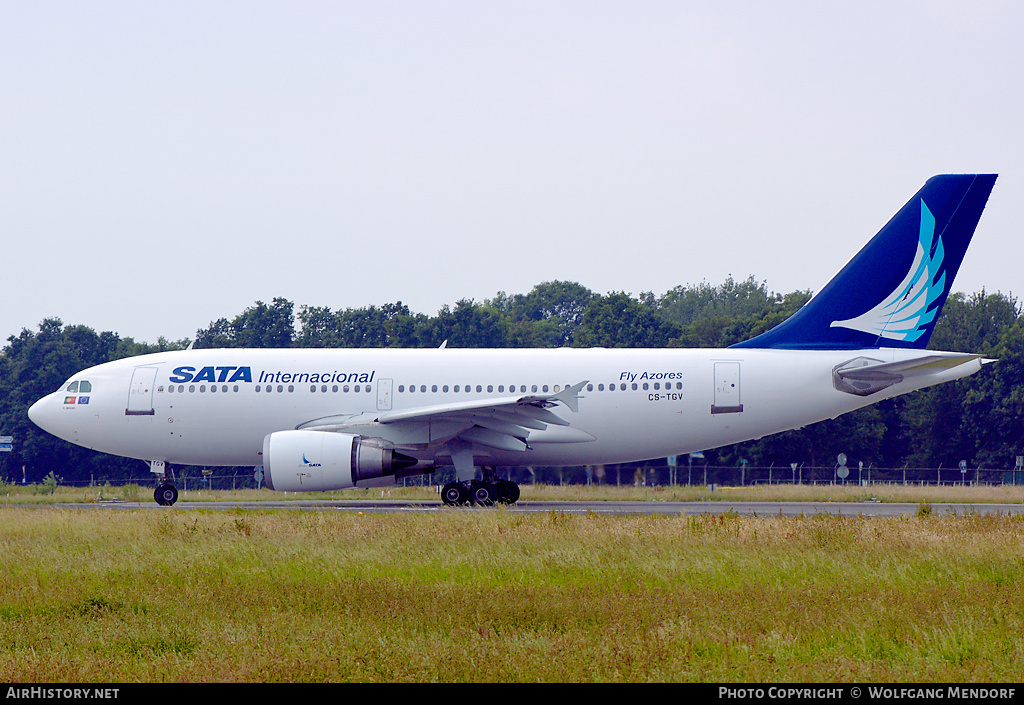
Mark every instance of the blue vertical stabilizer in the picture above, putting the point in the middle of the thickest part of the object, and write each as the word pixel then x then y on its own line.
pixel 891 292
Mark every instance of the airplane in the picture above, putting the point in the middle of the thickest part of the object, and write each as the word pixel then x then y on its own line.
pixel 332 419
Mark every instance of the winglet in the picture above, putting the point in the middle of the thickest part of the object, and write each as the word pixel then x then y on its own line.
pixel 891 293
pixel 570 396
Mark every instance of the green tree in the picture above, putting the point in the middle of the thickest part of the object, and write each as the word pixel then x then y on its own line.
pixel 468 325
pixel 956 421
pixel 259 326
pixel 620 321
pixel 33 365
pixel 547 316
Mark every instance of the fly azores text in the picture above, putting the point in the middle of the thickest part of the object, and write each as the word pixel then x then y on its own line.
pixel 648 375
pixel 244 373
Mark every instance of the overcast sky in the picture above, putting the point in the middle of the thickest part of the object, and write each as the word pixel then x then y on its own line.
pixel 163 165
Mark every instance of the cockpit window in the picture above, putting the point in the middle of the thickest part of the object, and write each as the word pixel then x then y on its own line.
pixel 73 388
pixel 82 387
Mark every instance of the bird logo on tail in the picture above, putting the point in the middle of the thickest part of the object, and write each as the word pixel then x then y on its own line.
pixel 906 313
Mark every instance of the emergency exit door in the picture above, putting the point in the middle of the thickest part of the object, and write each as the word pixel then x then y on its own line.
pixel 384 389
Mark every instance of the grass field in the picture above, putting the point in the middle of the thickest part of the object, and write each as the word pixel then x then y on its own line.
pixel 468 595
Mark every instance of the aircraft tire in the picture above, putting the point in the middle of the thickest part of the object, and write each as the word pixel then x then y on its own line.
pixel 454 494
pixel 166 495
pixel 506 492
pixel 482 493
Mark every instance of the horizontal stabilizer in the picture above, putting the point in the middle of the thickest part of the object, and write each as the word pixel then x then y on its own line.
pixel 863 375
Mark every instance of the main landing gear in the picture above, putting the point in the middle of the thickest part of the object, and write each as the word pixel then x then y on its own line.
pixel 485 492
pixel 165 494
pixel 467 490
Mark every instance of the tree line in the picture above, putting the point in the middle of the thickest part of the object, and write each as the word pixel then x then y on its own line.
pixel 979 420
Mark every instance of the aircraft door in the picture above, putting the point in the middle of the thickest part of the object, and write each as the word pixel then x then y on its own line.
pixel 727 388
pixel 384 389
pixel 140 392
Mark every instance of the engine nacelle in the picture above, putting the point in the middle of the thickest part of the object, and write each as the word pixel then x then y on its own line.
pixel 314 461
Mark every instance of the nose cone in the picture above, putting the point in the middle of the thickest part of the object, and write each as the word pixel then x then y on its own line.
pixel 42 413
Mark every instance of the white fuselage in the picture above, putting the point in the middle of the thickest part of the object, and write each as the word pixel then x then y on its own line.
pixel 214 407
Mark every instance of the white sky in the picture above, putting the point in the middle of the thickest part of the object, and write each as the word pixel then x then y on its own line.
pixel 166 164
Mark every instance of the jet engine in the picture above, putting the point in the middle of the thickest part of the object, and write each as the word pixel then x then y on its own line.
pixel 312 461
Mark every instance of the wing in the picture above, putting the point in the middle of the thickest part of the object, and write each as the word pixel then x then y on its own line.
pixel 505 423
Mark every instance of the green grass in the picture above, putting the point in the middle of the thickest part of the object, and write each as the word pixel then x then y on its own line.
pixel 490 596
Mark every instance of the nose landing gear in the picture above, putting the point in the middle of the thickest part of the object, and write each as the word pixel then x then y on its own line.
pixel 166 495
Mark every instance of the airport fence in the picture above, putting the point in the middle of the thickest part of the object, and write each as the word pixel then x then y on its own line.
pixel 648 474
